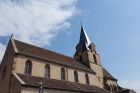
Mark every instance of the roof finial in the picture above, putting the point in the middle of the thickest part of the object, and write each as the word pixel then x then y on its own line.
pixel 11 36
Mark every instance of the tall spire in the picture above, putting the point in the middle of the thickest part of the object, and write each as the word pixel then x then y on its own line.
pixel 84 39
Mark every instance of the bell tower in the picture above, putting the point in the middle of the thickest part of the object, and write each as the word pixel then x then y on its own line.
pixel 86 54
pixel 86 51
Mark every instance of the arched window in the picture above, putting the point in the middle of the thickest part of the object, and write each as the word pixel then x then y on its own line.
pixel 87 78
pixel 108 88
pixel 114 88
pixel 94 57
pixel 76 76
pixel 81 60
pixel 28 67
pixel 62 74
pixel 47 71
pixel 111 86
pixel 4 72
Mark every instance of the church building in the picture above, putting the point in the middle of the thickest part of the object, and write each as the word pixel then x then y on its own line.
pixel 26 68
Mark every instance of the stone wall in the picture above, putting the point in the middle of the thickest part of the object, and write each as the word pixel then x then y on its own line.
pixel 35 90
pixel 38 69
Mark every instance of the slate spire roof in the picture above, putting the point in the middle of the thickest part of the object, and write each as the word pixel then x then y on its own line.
pixel 84 39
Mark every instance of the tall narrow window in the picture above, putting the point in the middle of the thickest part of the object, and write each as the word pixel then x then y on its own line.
pixel 76 76
pixel 47 71
pixel 4 72
pixel 111 86
pixel 62 74
pixel 95 60
pixel 114 88
pixel 81 60
pixel 87 78
pixel 28 67
pixel 108 88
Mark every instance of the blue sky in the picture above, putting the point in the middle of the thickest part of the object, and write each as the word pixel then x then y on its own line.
pixel 113 25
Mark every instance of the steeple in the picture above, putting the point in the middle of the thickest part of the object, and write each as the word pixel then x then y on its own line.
pixel 84 43
pixel 84 39
pixel 85 49
pixel 86 54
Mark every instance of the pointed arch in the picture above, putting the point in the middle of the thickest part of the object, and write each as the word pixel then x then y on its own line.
pixel 81 60
pixel 87 78
pixel 47 71
pixel 28 67
pixel 63 76
pixel 76 76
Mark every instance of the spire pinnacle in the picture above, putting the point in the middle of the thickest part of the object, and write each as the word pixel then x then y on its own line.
pixel 84 39
pixel 11 37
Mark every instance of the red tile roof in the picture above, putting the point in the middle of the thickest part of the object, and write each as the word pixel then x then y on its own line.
pixel 32 81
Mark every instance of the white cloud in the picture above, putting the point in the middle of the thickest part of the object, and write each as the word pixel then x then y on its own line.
pixel 134 85
pixel 2 50
pixel 35 21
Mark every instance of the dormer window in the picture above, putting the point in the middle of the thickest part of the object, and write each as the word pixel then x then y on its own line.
pixel 28 67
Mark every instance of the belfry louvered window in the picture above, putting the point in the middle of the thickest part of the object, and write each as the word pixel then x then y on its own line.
pixel 28 67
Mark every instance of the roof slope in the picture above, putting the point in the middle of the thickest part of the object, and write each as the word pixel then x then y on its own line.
pixel 107 75
pixel 60 84
pixel 40 53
